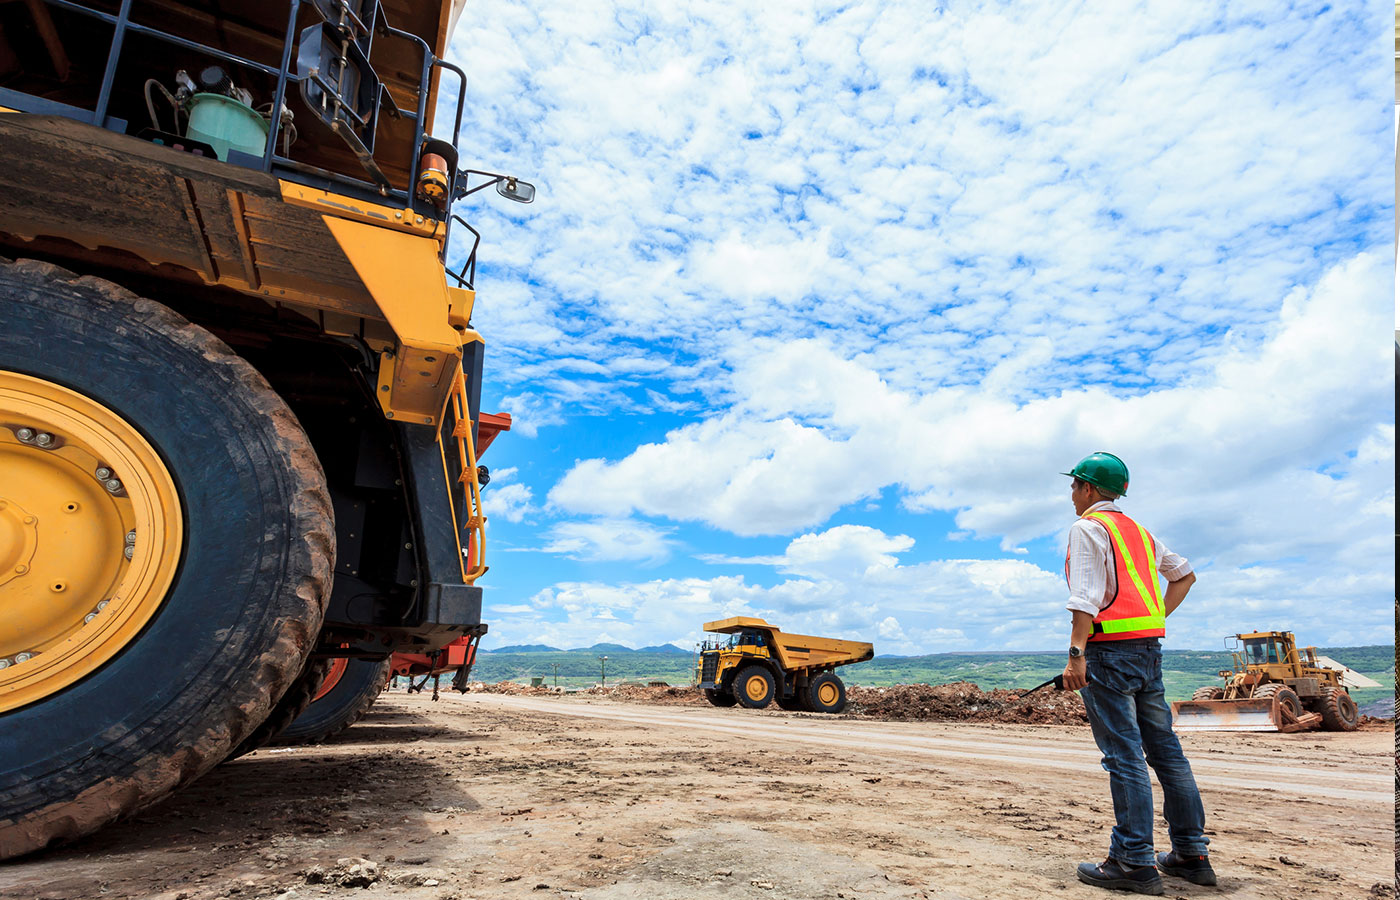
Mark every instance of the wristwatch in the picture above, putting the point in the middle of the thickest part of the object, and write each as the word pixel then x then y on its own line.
pixel 1075 652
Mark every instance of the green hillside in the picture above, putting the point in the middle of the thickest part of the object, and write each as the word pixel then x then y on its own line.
pixel 1182 670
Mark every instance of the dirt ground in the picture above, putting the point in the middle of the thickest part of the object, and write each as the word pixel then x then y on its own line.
pixel 499 795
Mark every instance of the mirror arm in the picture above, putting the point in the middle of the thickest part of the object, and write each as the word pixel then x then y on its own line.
pixel 463 191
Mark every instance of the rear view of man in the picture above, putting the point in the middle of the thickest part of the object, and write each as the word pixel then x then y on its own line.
pixel 1119 613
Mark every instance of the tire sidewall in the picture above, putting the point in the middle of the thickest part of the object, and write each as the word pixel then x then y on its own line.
pixel 359 685
pixel 188 679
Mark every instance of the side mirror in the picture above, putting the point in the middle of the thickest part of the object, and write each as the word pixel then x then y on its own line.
pixel 513 188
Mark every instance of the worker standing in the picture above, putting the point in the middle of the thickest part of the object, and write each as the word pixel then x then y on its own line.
pixel 1119 614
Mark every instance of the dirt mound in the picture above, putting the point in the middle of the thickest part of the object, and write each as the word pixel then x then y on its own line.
pixel 957 702
pixel 964 701
pixel 640 693
pixel 510 687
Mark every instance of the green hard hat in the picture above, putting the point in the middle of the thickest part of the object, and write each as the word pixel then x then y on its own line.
pixel 1102 470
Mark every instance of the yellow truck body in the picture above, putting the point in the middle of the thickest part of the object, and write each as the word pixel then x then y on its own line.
pixel 761 664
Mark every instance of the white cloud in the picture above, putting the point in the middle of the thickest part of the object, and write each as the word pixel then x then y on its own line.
pixel 815 432
pixel 604 540
pixel 942 605
pixel 944 188
pixel 509 501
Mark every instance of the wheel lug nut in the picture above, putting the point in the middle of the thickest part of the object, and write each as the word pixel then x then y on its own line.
pixel 23 657
pixel 25 434
pixel 103 473
pixel 89 617
pixel 4 663
pixel 43 439
pixel 112 485
pixel 102 604
pixel 128 550
pixel 131 536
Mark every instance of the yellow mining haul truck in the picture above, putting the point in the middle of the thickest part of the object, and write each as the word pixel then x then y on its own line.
pixel 1273 686
pixel 239 388
pixel 760 664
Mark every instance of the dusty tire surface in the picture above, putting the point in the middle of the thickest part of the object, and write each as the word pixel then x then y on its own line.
pixel 342 706
pixel 719 698
pixel 235 627
pixel 1339 712
pixel 1208 693
pixel 293 703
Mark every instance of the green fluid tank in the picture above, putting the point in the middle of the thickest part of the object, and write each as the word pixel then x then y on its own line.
pixel 225 124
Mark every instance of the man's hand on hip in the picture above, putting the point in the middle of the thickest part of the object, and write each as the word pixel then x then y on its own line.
pixel 1075 676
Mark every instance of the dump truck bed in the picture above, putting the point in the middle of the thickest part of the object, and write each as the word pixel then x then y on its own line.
pixel 798 651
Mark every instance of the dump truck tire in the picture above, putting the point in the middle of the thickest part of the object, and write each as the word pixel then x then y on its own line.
pixel 344 704
pixel 231 505
pixel 1339 712
pixel 791 704
pixel 291 706
pixel 719 698
pixel 754 687
pixel 1208 693
pixel 826 693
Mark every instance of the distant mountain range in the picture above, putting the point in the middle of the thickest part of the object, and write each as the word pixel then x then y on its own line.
pixel 596 648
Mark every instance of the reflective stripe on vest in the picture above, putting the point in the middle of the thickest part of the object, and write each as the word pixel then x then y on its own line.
pixel 1137 608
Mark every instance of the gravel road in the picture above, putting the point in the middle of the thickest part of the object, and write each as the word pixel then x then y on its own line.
pixel 493 796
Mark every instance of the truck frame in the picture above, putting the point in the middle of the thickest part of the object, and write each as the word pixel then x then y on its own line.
pixel 239 386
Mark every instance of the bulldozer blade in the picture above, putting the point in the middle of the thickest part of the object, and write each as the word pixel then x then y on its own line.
pixel 1227 715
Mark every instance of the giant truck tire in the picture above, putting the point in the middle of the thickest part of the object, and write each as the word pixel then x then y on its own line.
pixel 1208 693
pixel 826 693
pixel 167 546
pixel 293 703
pixel 719 697
pixel 1339 712
pixel 754 687
pixel 340 705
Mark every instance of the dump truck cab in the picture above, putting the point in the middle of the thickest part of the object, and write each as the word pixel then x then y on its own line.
pixel 760 664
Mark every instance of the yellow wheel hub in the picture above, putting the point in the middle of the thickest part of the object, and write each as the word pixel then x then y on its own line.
pixel 90 536
pixel 756 688
pixel 827 694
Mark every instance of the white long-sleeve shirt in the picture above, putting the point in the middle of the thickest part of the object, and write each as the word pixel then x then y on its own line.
pixel 1092 581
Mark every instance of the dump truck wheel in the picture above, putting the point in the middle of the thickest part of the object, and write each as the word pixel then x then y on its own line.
pixel 148 668
pixel 1339 712
pixel 719 698
pixel 826 693
pixel 293 703
pixel 1208 693
pixel 791 704
pixel 754 687
pixel 340 706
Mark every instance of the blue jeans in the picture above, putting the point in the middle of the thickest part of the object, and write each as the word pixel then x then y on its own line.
pixel 1133 727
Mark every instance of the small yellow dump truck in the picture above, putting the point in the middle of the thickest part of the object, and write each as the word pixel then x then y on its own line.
pixel 1274 686
pixel 759 664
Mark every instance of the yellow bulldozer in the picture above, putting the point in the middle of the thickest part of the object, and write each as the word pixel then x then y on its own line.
pixel 760 664
pixel 239 382
pixel 1274 686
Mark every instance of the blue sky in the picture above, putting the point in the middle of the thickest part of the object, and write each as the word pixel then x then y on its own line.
pixel 816 301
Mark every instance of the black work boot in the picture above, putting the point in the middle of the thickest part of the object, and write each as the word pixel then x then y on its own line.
pixel 1115 876
pixel 1195 869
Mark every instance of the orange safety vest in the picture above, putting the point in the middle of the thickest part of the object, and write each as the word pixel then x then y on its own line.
pixel 1137 608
